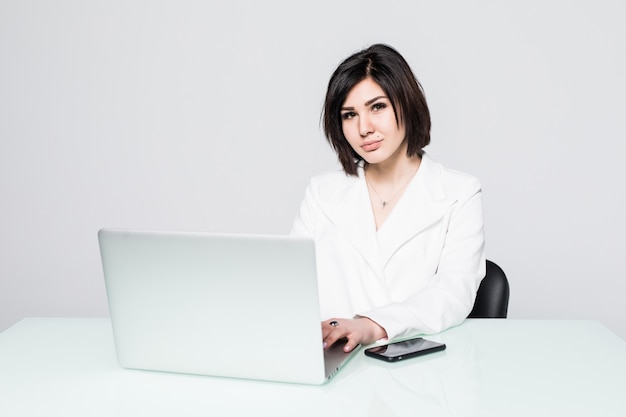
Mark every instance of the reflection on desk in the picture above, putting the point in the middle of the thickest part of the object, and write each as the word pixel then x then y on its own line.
pixel 67 367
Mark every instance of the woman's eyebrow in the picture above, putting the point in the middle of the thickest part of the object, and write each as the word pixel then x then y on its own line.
pixel 367 103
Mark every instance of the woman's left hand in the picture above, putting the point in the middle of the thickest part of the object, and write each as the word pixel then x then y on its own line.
pixel 356 331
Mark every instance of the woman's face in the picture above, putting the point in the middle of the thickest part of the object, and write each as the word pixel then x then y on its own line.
pixel 369 123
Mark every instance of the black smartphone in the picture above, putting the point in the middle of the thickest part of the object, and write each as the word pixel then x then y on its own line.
pixel 406 349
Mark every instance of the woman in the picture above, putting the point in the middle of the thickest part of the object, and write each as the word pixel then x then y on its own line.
pixel 399 238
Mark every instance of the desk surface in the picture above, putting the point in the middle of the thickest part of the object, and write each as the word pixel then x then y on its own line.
pixel 67 367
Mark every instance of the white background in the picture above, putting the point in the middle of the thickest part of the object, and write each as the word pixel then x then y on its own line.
pixel 195 115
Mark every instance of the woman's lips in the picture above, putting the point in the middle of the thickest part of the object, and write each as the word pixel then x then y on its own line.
pixel 372 145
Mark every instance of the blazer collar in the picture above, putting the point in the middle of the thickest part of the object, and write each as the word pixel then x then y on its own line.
pixel 423 203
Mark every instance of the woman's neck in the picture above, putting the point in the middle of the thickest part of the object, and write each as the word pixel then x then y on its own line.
pixel 391 174
pixel 386 184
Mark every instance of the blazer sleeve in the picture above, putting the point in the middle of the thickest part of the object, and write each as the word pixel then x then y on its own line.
pixel 449 297
pixel 303 225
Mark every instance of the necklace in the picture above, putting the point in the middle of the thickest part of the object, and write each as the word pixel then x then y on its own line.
pixel 385 203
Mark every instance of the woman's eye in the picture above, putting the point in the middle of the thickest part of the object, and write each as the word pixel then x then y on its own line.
pixel 347 115
pixel 378 106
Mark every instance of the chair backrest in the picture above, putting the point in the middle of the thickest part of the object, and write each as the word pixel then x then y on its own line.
pixel 492 298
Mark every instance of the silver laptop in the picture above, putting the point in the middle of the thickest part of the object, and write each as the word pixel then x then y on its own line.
pixel 242 306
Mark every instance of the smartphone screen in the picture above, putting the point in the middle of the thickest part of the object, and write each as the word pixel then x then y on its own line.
pixel 403 350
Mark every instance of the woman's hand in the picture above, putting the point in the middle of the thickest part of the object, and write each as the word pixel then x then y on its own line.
pixel 356 331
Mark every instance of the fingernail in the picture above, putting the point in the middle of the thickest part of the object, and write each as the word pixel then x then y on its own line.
pixel 324 344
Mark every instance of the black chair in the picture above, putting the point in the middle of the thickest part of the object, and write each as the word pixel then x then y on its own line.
pixel 492 298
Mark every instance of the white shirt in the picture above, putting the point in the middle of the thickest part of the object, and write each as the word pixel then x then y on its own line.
pixel 419 272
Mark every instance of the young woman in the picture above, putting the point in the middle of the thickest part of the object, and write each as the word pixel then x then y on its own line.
pixel 399 238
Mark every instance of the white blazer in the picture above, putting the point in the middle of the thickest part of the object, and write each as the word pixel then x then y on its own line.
pixel 419 272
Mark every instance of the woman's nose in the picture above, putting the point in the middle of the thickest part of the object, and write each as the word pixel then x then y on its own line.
pixel 365 127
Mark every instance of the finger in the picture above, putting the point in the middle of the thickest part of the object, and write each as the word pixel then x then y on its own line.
pixel 330 339
pixel 328 326
pixel 326 330
pixel 351 343
pixel 333 338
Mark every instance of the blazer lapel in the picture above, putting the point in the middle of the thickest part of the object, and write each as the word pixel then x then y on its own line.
pixel 351 213
pixel 422 204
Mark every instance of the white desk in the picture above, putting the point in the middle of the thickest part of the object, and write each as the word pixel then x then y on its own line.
pixel 67 367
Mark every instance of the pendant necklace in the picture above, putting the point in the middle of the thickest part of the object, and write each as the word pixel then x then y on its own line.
pixel 385 203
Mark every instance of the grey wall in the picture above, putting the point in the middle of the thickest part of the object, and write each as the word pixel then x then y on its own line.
pixel 191 115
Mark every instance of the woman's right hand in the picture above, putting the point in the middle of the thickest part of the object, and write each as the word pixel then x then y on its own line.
pixel 357 331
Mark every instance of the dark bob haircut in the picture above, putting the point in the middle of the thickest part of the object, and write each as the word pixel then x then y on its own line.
pixel 389 69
